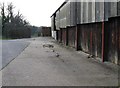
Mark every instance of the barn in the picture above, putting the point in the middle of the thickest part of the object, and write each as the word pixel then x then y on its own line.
pixel 91 26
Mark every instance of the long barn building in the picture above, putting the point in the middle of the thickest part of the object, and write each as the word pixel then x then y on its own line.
pixel 90 26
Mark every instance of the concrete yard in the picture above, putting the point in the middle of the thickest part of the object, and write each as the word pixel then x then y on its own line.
pixel 46 63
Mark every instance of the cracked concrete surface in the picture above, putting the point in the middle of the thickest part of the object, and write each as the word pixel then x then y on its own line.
pixel 40 66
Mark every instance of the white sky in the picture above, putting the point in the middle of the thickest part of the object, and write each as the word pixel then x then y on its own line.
pixel 37 12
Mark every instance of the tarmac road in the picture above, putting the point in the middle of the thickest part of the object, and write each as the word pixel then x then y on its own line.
pixel 10 50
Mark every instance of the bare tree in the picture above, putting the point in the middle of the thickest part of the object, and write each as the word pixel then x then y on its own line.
pixel 14 25
pixel 3 18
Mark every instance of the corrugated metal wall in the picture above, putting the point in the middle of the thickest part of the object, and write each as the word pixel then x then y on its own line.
pixel 68 14
pixel 63 17
pixel 73 13
pixel 78 13
pixel 99 10
pixel 107 10
pixel 93 11
pixel 89 12
pixel 113 9
pixel 57 20
pixel 53 23
pixel 119 8
pixel 90 18
pixel 81 11
pixel 71 36
pixel 85 11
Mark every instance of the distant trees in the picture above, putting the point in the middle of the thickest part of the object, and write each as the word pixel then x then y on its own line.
pixel 14 25
pixel 0 26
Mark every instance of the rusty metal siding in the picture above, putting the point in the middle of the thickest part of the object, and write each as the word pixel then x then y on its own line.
pixel 59 35
pixel 46 31
pixel 90 38
pixel 98 39
pixel 64 36
pixel 113 55
pixel 71 36
pixel 84 38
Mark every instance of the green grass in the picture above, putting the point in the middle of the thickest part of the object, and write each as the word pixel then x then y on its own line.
pixel 3 38
pixel 0 37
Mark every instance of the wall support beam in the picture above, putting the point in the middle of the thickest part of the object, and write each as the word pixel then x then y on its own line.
pixel 103 28
pixel 76 38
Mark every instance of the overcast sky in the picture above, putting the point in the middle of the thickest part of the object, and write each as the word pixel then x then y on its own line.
pixel 37 12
